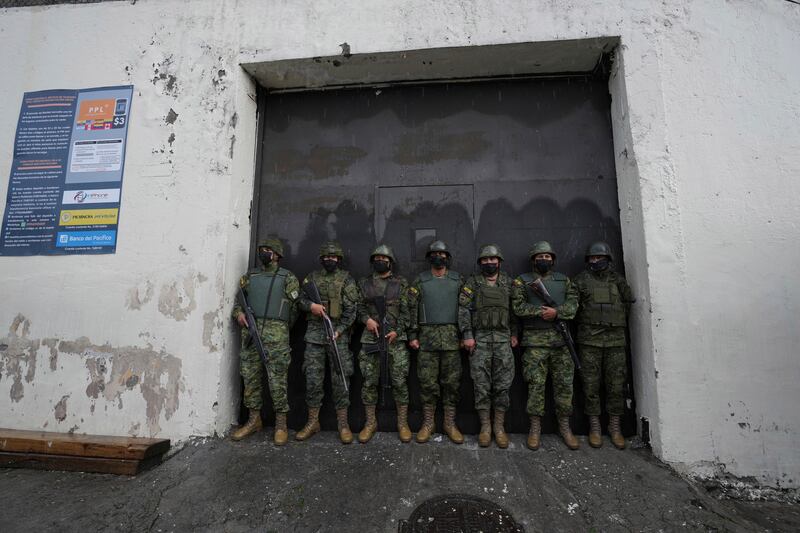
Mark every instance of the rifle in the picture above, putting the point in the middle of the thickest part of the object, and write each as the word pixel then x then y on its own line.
pixel 255 337
pixel 312 291
pixel 560 325
pixel 382 347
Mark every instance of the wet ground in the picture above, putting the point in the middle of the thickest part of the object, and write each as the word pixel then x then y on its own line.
pixel 321 485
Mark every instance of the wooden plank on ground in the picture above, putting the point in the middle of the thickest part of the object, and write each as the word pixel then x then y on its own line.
pixel 45 442
pixel 74 463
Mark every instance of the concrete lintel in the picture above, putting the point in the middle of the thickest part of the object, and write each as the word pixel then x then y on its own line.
pixel 516 59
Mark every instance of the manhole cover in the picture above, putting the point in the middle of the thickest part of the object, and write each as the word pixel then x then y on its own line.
pixel 459 513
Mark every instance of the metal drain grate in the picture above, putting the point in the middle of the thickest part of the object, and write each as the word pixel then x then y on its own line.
pixel 459 513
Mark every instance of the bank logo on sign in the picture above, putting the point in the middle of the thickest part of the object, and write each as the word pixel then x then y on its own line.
pixel 86 239
pixel 93 196
pixel 88 217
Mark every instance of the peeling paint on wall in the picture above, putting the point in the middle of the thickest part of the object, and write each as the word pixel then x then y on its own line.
pixel 19 351
pixel 139 295
pixel 60 411
pixel 212 323
pixel 177 299
pixel 157 375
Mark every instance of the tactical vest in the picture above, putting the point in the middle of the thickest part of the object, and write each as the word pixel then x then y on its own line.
pixel 491 308
pixel 604 306
pixel 556 285
pixel 265 293
pixel 439 303
pixel 331 290
pixel 371 290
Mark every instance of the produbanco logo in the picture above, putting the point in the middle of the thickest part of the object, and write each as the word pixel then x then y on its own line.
pixel 66 217
pixel 80 196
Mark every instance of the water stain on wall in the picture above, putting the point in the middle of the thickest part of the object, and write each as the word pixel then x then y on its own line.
pixel 18 354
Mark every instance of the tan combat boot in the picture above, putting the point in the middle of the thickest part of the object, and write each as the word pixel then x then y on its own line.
pixel 615 432
pixel 500 436
pixel 403 431
pixel 595 437
pixel 370 426
pixel 450 427
pixel 566 433
pixel 345 435
pixel 281 433
pixel 252 425
pixel 485 434
pixel 312 425
pixel 425 432
pixel 534 435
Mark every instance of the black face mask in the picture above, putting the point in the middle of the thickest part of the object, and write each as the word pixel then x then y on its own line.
pixel 489 268
pixel 330 264
pixel 599 266
pixel 437 261
pixel 265 257
pixel 543 266
pixel 381 267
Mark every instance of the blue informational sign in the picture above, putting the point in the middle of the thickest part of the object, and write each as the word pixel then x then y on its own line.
pixel 65 184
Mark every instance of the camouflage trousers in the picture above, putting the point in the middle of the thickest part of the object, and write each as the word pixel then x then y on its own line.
pixel 610 366
pixel 252 370
pixel 537 361
pixel 491 366
pixel 438 366
pixel 370 365
pixel 314 368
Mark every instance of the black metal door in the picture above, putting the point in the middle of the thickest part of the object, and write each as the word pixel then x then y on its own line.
pixel 509 162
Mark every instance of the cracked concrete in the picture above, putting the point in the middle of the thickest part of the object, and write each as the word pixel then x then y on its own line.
pixel 321 485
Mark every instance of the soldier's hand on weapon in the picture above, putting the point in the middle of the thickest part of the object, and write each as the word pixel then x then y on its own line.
pixel 548 313
pixel 335 335
pixel 469 344
pixel 373 326
pixel 514 341
pixel 414 344
pixel 318 309
pixel 242 320
pixel 391 336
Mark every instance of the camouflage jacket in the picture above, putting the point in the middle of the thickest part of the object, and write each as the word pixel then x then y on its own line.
pixel 432 337
pixel 525 309
pixel 466 310
pixel 339 296
pixel 397 314
pixel 592 334
pixel 291 292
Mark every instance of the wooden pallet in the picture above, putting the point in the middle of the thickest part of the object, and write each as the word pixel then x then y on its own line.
pixel 82 453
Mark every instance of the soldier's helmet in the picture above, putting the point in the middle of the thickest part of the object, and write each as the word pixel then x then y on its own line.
pixel 331 248
pixel 382 249
pixel 490 250
pixel 541 247
pixel 599 248
pixel 437 246
pixel 273 243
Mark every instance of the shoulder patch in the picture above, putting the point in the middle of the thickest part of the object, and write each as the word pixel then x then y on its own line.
pixel 294 295
pixel 243 282
pixel 518 282
pixel 467 291
pixel 413 290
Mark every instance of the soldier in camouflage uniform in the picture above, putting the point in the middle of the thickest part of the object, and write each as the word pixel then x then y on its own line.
pixel 489 329
pixel 272 293
pixel 339 295
pixel 384 283
pixel 605 299
pixel 433 330
pixel 544 348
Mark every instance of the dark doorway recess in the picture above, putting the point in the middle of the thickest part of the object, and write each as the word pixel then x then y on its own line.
pixel 503 161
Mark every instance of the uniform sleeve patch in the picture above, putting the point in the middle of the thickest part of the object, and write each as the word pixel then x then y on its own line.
pixel 518 282
pixel 243 282
pixel 467 291
pixel 413 290
pixel 294 295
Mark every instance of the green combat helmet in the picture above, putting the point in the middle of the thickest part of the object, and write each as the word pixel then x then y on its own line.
pixel 382 249
pixel 273 243
pixel 437 246
pixel 599 248
pixel 490 250
pixel 541 247
pixel 331 248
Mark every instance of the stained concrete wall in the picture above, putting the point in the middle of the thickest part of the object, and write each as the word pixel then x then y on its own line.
pixel 706 130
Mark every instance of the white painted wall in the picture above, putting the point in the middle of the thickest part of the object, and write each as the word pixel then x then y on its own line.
pixel 706 118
